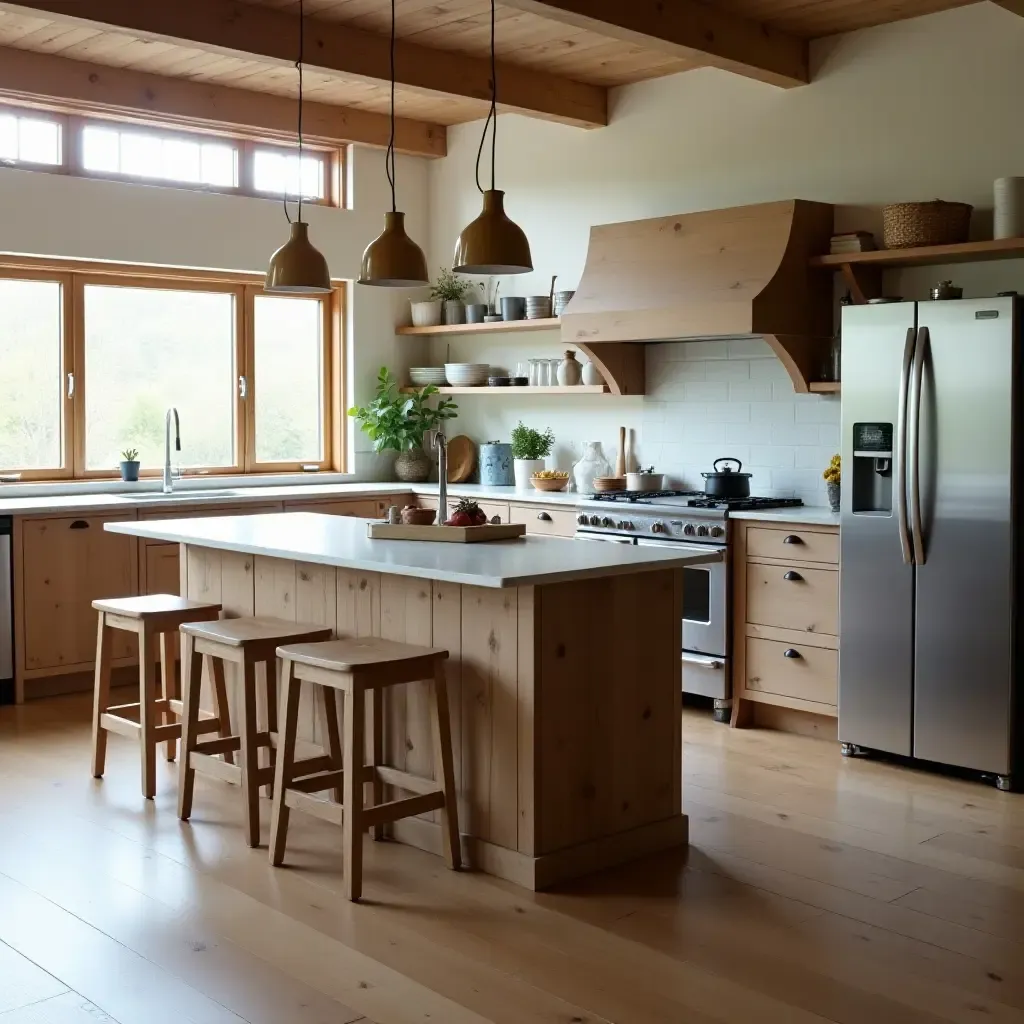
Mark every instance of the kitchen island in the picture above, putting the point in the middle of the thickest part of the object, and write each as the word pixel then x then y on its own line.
pixel 564 672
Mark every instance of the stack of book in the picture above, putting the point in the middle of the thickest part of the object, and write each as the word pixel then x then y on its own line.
pixel 852 241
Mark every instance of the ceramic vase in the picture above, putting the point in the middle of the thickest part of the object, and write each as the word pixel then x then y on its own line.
pixel 833 494
pixel 592 465
pixel 426 314
pixel 592 375
pixel 412 466
pixel 570 373
pixel 523 470
pixel 496 464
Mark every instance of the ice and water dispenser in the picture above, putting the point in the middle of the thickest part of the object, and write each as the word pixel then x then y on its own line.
pixel 872 469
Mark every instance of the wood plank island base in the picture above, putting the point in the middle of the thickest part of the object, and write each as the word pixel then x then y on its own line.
pixel 564 673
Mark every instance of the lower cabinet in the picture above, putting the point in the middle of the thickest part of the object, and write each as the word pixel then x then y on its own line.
pixel 159 565
pixel 65 564
pixel 362 508
pixel 785 647
pixel 547 522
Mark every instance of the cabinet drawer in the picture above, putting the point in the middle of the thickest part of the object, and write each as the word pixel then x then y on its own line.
pixel 548 522
pixel 807 673
pixel 363 508
pixel 803 599
pixel 798 545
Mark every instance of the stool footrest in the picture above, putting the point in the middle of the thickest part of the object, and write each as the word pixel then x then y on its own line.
pixel 205 764
pixel 122 726
pixel 401 780
pixel 384 814
pixel 324 809
pixel 227 745
pixel 119 709
pixel 318 782
pixel 162 733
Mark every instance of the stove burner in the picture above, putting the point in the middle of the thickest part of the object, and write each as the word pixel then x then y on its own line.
pixel 695 499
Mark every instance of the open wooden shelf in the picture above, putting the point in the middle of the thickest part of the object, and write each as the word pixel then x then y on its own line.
pixel 825 387
pixel 579 389
pixel 443 330
pixel 965 252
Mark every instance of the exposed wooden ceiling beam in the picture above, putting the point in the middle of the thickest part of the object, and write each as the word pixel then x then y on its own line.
pixel 79 87
pixel 1013 6
pixel 689 29
pixel 261 33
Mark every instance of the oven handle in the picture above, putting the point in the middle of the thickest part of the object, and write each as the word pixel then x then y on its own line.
pixel 710 552
pixel 704 660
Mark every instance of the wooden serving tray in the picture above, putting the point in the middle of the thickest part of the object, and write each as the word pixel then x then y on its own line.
pixel 446 534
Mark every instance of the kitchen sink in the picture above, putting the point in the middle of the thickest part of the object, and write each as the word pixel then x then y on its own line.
pixel 181 495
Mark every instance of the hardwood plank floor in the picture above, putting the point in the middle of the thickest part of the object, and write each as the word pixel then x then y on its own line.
pixel 816 889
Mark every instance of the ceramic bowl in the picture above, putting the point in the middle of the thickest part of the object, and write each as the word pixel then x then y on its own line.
pixel 412 516
pixel 549 483
pixel 467 375
pixel 421 376
pixel 609 483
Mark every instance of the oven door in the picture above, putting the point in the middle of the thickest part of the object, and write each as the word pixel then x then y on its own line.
pixel 705 608
pixel 603 538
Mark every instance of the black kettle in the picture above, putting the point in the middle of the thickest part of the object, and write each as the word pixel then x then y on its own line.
pixel 727 482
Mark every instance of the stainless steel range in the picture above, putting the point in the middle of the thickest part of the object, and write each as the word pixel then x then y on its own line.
pixel 681 519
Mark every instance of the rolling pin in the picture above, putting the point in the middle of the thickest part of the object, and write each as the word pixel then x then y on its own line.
pixel 620 462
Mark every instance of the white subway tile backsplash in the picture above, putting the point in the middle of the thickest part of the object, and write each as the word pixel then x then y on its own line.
pixel 797 433
pixel 727 412
pixel 773 456
pixel 749 348
pixel 771 412
pixel 743 391
pixel 745 433
pixel 729 370
pixel 709 391
pixel 828 434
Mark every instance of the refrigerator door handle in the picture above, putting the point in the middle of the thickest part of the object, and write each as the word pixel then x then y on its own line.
pixel 901 449
pixel 917 531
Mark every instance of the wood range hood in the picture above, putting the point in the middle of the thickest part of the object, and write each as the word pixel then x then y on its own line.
pixel 737 273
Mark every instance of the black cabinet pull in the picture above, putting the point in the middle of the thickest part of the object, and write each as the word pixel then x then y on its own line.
pixel 544 517
pixel 79 524
pixel 791 653
pixel 793 577
pixel 792 539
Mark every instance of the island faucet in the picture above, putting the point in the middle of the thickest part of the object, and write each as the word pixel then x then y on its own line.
pixel 168 475
pixel 442 476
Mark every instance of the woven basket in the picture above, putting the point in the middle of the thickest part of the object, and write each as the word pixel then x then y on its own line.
pixel 909 225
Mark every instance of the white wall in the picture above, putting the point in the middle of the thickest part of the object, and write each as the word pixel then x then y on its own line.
pixel 57 215
pixel 915 110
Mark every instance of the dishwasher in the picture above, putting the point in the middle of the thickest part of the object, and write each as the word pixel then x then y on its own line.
pixel 6 613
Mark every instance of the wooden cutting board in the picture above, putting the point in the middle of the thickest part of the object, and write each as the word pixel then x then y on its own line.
pixel 446 534
pixel 461 459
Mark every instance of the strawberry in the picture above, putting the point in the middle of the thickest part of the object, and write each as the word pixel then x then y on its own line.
pixel 460 519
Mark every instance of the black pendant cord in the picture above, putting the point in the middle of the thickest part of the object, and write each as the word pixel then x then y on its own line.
pixel 389 157
pixel 492 115
pixel 298 67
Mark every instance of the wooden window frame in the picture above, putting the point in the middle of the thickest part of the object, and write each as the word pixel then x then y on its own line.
pixel 35 114
pixel 67 410
pixel 75 275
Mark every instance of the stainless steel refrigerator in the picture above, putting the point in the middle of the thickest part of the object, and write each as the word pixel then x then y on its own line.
pixel 931 464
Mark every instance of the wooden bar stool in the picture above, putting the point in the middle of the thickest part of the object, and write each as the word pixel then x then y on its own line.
pixel 247 642
pixel 155 618
pixel 356 666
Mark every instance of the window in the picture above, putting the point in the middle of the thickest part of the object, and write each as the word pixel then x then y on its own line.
pixel 30 140
pixel 280 173
pixel 256 378
pixel 288 357
pixel 31 375
pixel 140 154
pixel 147 349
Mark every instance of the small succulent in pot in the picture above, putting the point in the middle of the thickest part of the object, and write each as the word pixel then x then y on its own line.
pixel 833 476
pixel 130 465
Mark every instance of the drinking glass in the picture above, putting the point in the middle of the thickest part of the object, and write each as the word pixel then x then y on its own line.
pixel 534 373
pixel 553 365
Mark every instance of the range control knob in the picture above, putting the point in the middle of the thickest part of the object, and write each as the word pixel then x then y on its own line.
pixel 582 520
pixel 717 531
pixel 625 524
pixel 595 520
pixel 658 528
pixel 689 529
pixel 702 531
pixel 607 522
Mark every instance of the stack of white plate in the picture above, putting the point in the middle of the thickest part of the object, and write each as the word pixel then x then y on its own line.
pixel 421 376
pixel 467 375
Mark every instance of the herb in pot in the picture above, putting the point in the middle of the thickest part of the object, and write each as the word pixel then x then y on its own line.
pixel 528 443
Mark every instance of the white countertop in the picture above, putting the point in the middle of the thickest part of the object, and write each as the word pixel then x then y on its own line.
pixel 341 541
pixel 147 495
pixel 808 515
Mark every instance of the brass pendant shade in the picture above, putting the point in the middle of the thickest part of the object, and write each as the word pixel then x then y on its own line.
pixel 297 268
pixel 393 259
pixel 492 244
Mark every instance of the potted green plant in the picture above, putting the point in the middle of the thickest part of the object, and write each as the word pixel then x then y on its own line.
pixel 529 450
pixel 452 291
pixel 397 421
pixel 130 465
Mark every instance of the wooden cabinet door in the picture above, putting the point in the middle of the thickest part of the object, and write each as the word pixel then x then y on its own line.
pixel 364 508
pixel 547 522
pixel 160 568
pixel 67 564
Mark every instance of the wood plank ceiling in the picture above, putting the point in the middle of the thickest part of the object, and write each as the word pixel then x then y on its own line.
pixel 557 58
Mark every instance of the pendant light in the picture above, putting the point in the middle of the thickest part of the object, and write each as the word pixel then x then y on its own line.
pixel 492 244
pixel 393 259
pixel 297 268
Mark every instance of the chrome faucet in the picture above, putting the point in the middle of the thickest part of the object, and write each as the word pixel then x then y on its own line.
pixel 168 475
pixel 442 476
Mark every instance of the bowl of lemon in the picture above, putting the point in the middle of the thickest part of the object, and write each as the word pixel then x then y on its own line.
pixel 550 480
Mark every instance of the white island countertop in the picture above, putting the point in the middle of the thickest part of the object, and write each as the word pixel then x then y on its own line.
pixel 342 542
